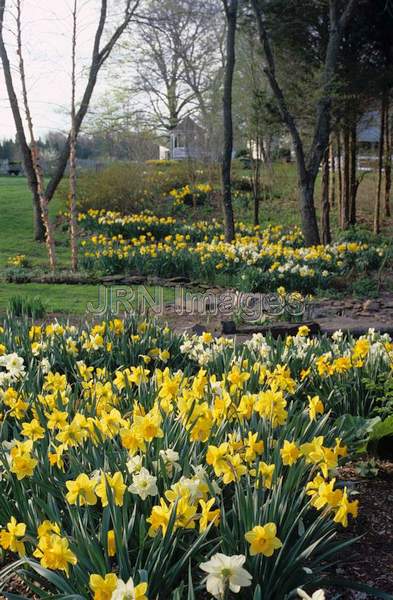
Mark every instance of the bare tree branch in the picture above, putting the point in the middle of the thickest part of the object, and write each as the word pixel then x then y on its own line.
pixel 39 231
pixel 99 56
pixel 347 14
pixel 98 59
pixel 270 71
pixel 35 155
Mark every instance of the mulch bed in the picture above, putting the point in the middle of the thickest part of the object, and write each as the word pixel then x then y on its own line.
pixel 370 559
pixel 17 586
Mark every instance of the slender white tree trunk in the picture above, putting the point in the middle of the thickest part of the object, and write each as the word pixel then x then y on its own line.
pixel 73 138
pixel 35 153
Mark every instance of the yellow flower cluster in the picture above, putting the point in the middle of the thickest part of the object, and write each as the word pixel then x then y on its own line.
pixel 123 442
pixel 18 261
pixel 188 191
pixel 271 256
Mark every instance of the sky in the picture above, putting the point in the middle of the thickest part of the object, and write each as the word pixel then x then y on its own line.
pixel 47 35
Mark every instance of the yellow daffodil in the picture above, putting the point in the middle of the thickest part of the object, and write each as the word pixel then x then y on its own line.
pixel 263 540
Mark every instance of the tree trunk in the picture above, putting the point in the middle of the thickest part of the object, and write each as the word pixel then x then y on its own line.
pixel 39 227
pixel 354 181
pixel 73 207
pixel 231 8
pixel 35 155
pixel 325 219
pixel 308 168
pixel 347 179
pixel 332 159
pixel 388 159
pixel 340 180
pixel 256 179
pixel 307 212
pixel 38 223
pixel 377 210
pixel 256 197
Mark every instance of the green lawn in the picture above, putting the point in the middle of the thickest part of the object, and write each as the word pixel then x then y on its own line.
pixel 84 299
pixel 16 237
pixel 56 298
pixel 16 224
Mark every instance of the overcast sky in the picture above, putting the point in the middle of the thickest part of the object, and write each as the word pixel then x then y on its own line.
pixel 47 28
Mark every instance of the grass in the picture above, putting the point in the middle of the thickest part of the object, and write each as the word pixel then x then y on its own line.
pixel 16 237
pixel 81 299
pixel 16 230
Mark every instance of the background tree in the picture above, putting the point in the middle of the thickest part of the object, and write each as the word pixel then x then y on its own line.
pixel 364 70
pixel 308 163
pixel 257 125
pixel 231 14
pixel 171 61
pixel 100 54
pixel 34 148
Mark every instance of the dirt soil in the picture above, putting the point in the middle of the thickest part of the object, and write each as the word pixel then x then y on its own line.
pixel 370 559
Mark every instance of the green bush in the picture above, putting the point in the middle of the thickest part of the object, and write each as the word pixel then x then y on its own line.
pixel 133 187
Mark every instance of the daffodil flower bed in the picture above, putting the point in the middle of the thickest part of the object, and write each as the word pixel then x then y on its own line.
pixel 139 464
pixel 258 260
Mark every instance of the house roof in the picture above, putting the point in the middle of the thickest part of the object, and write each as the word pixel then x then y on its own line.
pixel 188 124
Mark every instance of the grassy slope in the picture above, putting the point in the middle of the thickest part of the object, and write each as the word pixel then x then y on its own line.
pixel 16 237
pixel 16 226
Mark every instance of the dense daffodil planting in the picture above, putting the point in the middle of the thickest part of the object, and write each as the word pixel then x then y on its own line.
pixel 258 260
pixel 139 464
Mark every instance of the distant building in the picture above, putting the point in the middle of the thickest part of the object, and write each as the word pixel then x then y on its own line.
pixel 188 140
pixel 369 130
pixel 11 167
pixel 164 153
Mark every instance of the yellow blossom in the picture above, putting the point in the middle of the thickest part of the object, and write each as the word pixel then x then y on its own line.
pixel 263 540
pixel 10 537
pixel 103 587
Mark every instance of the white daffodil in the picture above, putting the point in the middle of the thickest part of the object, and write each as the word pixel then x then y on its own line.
pixel 134 464
pixel 318 595
pixel 225 571
pixel 45 365
pixel 14 364
pixel 129 591
pixel 170 458
pixel 144 484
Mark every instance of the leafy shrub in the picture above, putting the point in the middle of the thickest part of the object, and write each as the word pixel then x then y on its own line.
pixel 282 154
pixel 381 439
pixel 16 275
pixel 132 187
pixel 242 184
pixel 360 234
pixel 381 387
pixel 367 468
